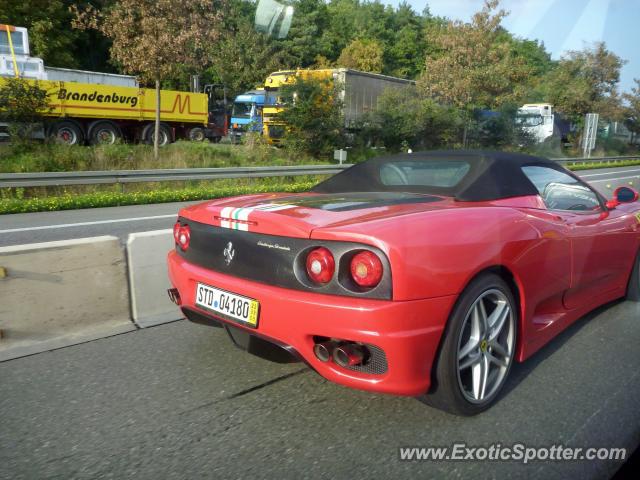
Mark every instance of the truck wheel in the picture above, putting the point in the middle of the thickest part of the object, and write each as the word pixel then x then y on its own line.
pixel 67 132
pixel 149 131
pixel 196 134
pixel 104 133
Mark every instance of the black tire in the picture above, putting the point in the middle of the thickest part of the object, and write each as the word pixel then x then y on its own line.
pixel 104 133
pixel 447 391
pixel 633 287
pixel 148 133
pixel 67 132
pixel 197 134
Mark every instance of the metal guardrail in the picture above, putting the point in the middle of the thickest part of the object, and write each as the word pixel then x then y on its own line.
pixel 136 176
pixel 45 179
pixel 572 161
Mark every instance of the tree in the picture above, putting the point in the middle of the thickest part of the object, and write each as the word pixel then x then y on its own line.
pixel 472 66
pixel 362 54
pixel 404 118
pixel 156 38
pixel 22 104
pixel 632 111
pixel 51 36
pixel 586 81
pixel 242 58
pixel 305 40
pixel 313 117
pixel 498 130
pixel 405 54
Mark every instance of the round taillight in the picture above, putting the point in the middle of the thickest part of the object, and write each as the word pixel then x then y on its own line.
pixel 320 265
pixel 176 231
pixel 366 269
pixel 184 236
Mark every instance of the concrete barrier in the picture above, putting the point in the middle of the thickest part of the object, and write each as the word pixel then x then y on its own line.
pixel 61 293
pixel 148 279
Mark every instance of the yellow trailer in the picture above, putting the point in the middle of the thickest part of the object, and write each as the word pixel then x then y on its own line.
pixel 106 113
pixel 104 108
pixel 102 101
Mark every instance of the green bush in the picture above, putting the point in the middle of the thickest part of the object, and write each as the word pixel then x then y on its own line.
pixel 313 118
pixel 594 166
pixel 112 198
pixel 403 119
pixel 22 104
pixel 52 157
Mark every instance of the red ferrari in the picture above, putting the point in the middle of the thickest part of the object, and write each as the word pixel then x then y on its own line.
pixel 422 274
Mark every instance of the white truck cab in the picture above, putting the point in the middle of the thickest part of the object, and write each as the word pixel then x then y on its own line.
pixel 537 119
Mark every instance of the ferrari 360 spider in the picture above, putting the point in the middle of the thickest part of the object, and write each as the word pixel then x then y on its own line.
pixel 421 274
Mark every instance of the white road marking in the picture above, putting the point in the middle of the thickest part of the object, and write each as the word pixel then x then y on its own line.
pixel 85 224
pixel 613 179
pixel 609 173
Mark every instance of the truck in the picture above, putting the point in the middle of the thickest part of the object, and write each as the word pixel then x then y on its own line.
pixel 542 122
pixel 358 92
pixel 246 114
pixel 103 108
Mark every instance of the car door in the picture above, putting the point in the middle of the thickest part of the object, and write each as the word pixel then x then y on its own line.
pixel 599 241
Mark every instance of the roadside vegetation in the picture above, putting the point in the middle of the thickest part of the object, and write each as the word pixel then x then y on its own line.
pixel 470 79
pixel 21 201
pixel 54 157
pixel 42 199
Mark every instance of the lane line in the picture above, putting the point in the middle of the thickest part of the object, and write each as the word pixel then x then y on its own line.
pixel 613 179
pixel 608 173
pixel 86 224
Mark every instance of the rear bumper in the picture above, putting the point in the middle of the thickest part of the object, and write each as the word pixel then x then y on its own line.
pixel 408 332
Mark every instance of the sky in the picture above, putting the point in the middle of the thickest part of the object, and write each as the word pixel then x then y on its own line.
pixel 562 24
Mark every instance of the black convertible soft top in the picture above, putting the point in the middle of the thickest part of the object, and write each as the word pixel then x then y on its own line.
pixel 488 176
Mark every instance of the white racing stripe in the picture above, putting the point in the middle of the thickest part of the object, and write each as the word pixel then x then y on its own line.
pixel 86 224
pixel 225 213
pixel 242 214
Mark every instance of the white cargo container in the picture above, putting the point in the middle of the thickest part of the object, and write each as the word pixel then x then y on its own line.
pixel 360 91
pixel 84 76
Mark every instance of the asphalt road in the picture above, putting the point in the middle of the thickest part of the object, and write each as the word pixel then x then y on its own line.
pixel 120 221
pixel 179 401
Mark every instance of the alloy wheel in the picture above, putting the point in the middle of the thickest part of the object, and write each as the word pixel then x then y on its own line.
pixel 485 346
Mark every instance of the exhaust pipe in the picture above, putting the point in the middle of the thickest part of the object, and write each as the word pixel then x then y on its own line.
pixel 174 296
pixel 324 350
pixel 348 355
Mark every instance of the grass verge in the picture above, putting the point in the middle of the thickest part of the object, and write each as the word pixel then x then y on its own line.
pixel 51 157
pixel 179 155
pixel 72 201
pixel 596 166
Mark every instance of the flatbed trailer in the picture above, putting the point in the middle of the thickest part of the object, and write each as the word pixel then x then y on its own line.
pixel 99 107
pixel 95 113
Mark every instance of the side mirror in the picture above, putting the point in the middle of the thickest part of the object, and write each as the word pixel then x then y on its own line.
pixel 622 195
